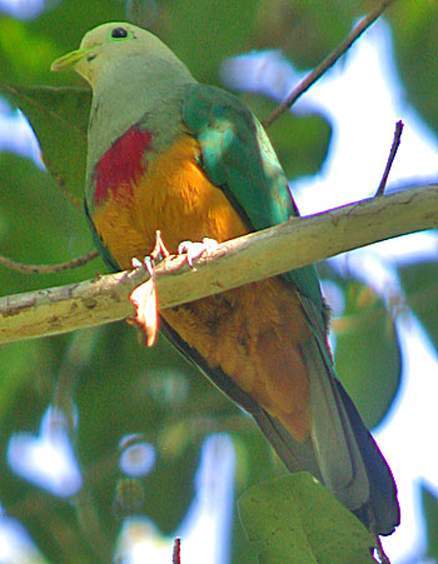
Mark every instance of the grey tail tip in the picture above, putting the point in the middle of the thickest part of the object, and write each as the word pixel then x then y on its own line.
pixel 381 515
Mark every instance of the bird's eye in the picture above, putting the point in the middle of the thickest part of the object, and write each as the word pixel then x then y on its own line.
pixel 119 33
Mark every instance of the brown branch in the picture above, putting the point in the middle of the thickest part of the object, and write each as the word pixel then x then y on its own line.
pixel 47 268
pixel 256 256
pixel 176 556
pixel 328 62
pixel 392 153
pixel 383 559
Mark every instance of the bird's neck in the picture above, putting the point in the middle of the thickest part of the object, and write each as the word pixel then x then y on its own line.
pixel 136 91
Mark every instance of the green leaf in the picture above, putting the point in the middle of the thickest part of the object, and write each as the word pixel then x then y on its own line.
pixel 204 35
pixel 419 281
pixel 368 356
pixel 300 141
pixel 255 462
pixel 415 32
pixel 59 117
pixel 296 519
pixel 430 508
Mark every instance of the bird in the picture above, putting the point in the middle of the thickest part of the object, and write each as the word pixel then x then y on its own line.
pixel 168 153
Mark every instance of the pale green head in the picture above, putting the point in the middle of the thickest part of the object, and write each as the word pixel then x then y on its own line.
pixel 110 44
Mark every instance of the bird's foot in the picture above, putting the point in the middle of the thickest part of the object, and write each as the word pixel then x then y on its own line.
pixel 159 252
pixel 195 250
pixel 144 297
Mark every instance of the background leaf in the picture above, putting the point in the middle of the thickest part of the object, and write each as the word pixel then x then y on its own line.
pixel 419 281
pixel 203 35
pixel 280 520
pixel 430 506
pixel 59 117
pixel 415 29
pixel 368 356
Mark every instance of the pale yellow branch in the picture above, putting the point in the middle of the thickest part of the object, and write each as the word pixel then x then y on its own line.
pixel 256 256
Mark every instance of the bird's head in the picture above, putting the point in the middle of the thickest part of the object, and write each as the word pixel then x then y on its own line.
pixel 107 44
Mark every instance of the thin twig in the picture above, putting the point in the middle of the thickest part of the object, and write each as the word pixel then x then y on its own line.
pixel 380 551
pixel 328 62
pixel 47 268
pixel 392 153
pixel 176 556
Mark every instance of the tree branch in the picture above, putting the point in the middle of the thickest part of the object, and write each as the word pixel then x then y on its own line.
pixel 47 268
pixel 291 245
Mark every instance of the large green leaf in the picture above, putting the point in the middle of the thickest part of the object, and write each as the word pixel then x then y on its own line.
pixel 255 463
pixel 368 356
pixel 59 117
pixel 295 519
pixel 419 281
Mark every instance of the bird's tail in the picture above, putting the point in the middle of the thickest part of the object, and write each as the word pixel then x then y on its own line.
pixel 340 452
pixel 383 508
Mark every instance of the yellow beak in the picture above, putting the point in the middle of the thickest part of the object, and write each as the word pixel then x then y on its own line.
pixel 70 59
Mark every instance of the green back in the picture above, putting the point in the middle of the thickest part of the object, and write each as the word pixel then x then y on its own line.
pixel 238 156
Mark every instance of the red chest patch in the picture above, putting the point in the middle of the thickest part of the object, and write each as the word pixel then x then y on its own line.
pixel 122 164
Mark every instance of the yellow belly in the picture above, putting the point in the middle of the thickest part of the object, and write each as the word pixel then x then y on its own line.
pixel 251 333
pixel 175 197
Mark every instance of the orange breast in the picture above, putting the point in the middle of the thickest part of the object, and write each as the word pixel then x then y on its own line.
pixel 253 333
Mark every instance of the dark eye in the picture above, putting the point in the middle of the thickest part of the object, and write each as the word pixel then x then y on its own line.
pixel 119 32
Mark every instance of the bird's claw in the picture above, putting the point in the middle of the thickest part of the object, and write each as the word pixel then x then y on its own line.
pixel 148 263
pixel 144 297
pixel 195 250
pixel 159 252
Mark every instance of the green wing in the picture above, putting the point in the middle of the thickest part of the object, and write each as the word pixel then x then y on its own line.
pixel 238 156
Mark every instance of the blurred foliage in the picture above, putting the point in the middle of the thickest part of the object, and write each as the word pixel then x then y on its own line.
pixel 115 386
pixel 368 355
pixel 271 511
pixel 415 29
pixel 430 507
pixel 217 29
pixel 419 282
